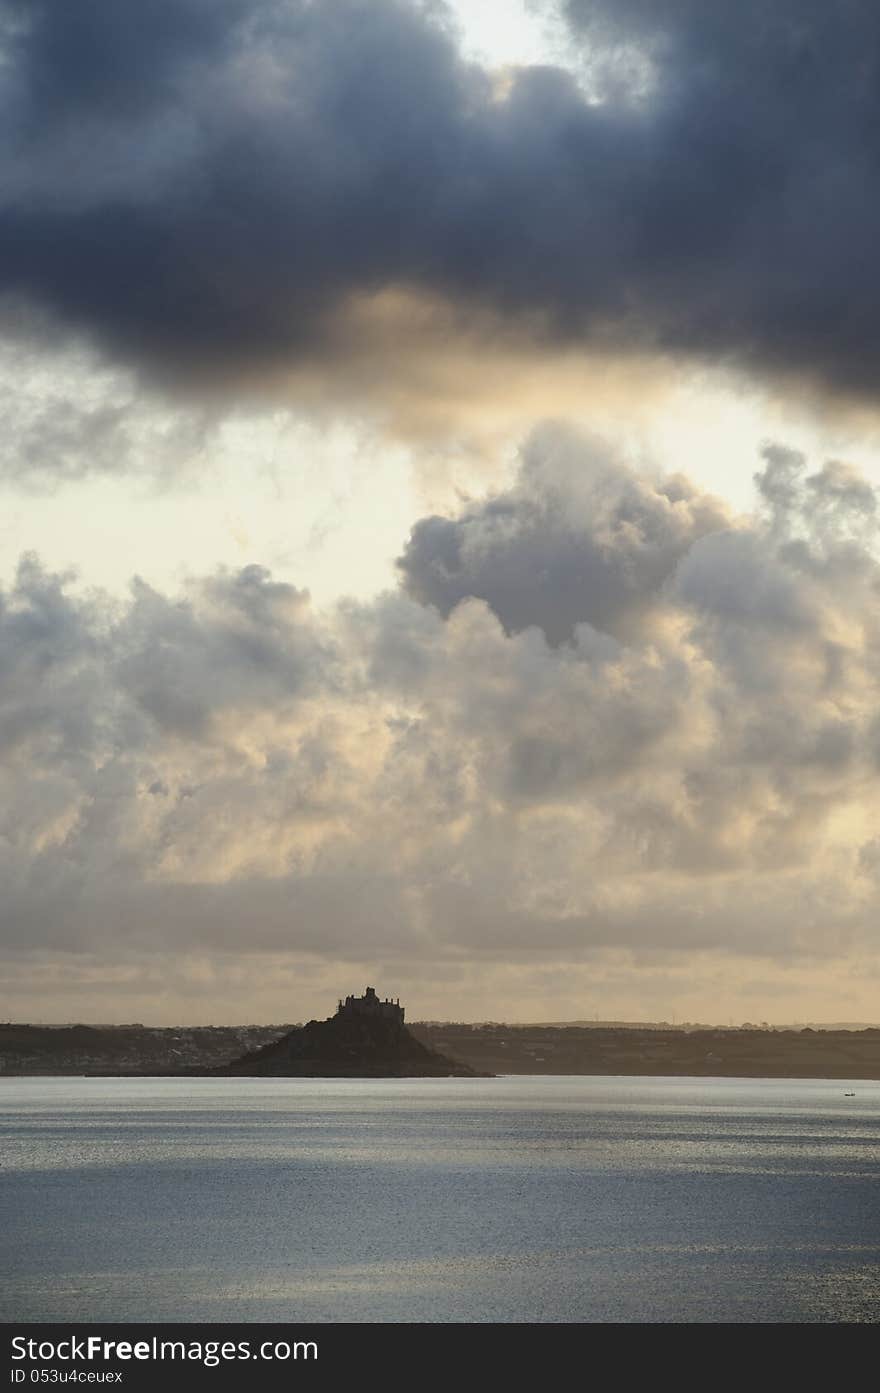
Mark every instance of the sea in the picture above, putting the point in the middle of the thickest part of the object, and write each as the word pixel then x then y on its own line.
pixel 516 1199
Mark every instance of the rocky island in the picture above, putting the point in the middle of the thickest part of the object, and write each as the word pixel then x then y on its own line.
pixel 366 1038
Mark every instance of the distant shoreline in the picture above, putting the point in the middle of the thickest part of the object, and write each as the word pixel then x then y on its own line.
pixel 577 1051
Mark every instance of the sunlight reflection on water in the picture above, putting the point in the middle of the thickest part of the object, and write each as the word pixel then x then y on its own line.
pixel 552 1199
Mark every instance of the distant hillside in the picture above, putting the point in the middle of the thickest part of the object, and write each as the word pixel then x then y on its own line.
pixel 125 1049
pixel 744 1053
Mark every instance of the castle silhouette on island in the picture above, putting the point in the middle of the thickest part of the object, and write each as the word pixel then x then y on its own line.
pixel 365 1039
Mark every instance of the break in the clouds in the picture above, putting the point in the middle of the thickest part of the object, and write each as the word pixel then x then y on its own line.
pixel 665 753
pixel 212 187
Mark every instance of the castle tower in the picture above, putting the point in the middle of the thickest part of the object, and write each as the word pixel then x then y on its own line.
pixel 372 1006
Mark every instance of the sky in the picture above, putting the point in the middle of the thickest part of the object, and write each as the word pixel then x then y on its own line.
pixel 438 543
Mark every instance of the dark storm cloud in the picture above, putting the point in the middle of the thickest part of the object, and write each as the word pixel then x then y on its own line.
pixel 98 55
pixel 262 175
pixel 204 185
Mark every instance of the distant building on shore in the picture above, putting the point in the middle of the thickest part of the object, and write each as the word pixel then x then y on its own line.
pixel 370 1005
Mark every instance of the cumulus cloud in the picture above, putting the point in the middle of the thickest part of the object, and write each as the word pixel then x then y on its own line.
pixel 218 189
pixel 579 538
pixel 440 778
pixel 237 641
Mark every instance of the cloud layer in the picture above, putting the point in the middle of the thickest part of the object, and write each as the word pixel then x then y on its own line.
pixel 216 190
pixel 666 746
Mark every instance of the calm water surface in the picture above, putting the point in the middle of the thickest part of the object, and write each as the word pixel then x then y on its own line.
pixel 514 1199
